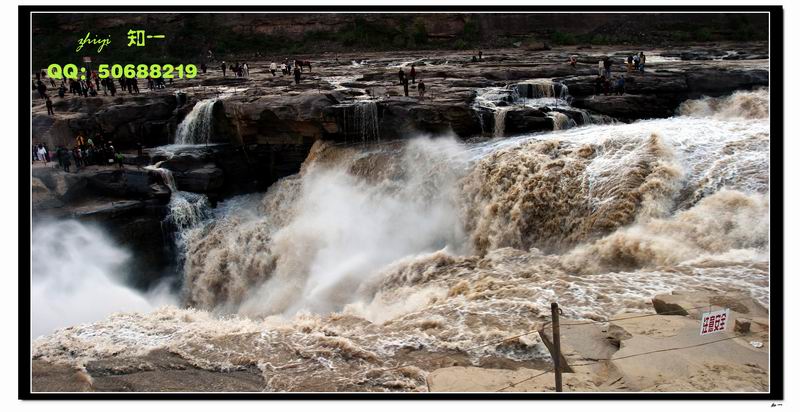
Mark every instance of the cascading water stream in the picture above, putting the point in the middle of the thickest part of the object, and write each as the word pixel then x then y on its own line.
pixel 360 119
pixel 187 210
pixel 500 121
pixel 198 126
pixel 540 94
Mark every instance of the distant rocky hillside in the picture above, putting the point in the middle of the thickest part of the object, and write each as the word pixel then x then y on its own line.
pixel 189 36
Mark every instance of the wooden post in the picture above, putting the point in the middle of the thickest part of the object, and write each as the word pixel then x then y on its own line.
pixel 556 346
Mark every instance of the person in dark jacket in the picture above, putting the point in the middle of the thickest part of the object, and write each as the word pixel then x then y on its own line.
pixel 49 104
pixel 413 74
pixel 42 89
pixel 296 75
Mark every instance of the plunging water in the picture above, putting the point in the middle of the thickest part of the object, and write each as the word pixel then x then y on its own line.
pixel 500 121
pixel 540 94
pixel 436 246
pixel 360 120
pixel 187 210
pixel 198 126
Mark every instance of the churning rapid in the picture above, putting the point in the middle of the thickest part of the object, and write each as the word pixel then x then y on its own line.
pixel 371 256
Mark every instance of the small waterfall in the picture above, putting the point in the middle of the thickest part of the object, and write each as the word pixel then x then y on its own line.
pixel 197 127
pixel 560 120
pixel 361 120
pixel 587 118
pixel 500 121
pixel 187 210
pixel 545 90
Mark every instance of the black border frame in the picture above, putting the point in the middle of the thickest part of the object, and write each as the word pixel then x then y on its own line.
pixel 776 50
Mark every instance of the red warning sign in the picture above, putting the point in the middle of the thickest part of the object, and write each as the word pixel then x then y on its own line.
pixel 714 322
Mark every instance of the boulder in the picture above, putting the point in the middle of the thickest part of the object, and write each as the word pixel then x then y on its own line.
pixel 195 172
pixel 122 183
pixel 526 120
pixel 403 117
pixel 695 303
pixel 715 82
pixel 631 106
pixel 207 178
pixel 42 198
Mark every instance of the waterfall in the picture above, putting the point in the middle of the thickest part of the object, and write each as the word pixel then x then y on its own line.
pixel 560 120
pixel 187 210
pixel 361 120
pixel 543 91
pixel 198 126
pixel 500 121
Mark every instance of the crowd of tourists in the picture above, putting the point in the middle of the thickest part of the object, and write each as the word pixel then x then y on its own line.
pixel 605 82
pixel 84 152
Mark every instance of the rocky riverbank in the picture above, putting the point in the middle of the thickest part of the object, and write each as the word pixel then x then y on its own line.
pixel 631 352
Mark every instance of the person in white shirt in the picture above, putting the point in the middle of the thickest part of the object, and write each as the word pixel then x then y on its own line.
pixel 273 68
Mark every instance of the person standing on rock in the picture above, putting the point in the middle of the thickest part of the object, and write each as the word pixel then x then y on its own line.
pixel 296 75
pixel 42 89
pixel 620 86
pixel 224 67
pixel 607 67
pixel 413 74
pixel 245 70
pixel 79 141
pixel 598 85
pixel 76 155
pixel 49 104
pixel 630 63
pixel 43 154
pixel 401 75
pixel 405 86
pixel 273 68
pixel 642 60
pixel 421 90
pixel 480 56
pixel 64 156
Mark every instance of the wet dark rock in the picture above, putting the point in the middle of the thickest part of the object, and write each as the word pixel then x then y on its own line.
pixel 405 118
pixel 719 82
pixel 526 121
pixel 631 106
pixel 122 183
